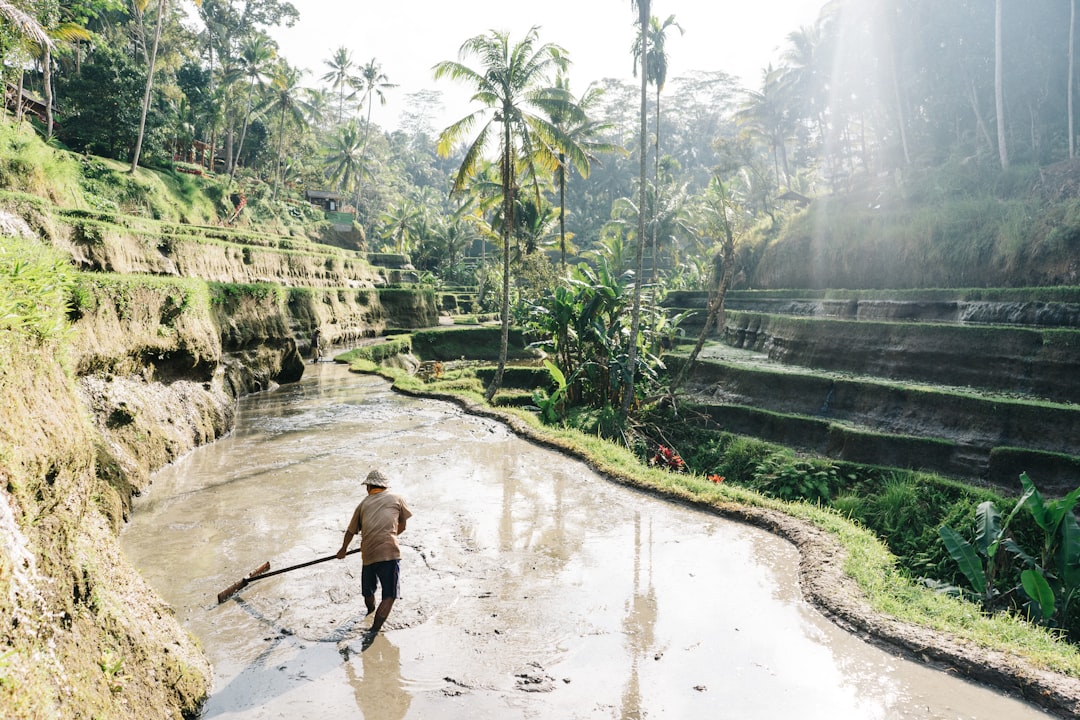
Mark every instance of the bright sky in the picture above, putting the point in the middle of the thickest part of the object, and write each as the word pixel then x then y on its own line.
pixel 408 37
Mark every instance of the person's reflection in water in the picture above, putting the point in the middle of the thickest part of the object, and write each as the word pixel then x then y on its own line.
pixel 375 675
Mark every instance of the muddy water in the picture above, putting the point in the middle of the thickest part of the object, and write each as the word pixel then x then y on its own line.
pixel 530 588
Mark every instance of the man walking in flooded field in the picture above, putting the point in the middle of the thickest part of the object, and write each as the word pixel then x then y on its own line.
pixel 316 345
pixel 378 520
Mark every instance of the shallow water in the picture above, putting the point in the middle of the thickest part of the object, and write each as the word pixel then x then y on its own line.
pixel 530 587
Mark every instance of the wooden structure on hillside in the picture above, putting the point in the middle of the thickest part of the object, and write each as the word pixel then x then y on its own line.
pixel 328 200
pixel 194 153
pixel 31 104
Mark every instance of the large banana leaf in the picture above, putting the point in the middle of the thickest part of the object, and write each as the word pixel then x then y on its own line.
pixel 965 556
pixel 1039 591
pixel 987 529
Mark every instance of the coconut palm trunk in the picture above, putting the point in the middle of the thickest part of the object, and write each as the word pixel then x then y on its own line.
pixel 507 230
pixel 999 85
pixel 639 251
pixel 162 9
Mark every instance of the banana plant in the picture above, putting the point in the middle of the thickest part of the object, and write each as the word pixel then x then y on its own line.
pixel 1053 581
pixel 979 561
pixel 552 407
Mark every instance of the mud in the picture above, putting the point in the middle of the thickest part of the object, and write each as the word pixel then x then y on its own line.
pixel 531 588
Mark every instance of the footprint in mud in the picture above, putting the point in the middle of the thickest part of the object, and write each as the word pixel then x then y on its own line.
pixel 534 679
pixel 455 687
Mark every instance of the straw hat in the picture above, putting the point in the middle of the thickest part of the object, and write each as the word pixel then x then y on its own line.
pixel 376 479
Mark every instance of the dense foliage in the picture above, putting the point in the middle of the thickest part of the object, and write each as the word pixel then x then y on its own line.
pixel 871 91
pixel 1017 555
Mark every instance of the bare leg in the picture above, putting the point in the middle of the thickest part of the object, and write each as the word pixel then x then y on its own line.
pixel 376 625
pixel 369 603
pixel 381 614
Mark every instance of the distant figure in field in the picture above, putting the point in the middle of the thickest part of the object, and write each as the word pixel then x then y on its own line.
pixel 316 351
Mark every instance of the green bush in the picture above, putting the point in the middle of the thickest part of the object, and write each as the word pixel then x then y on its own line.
pixel 782 476
pixel 379 352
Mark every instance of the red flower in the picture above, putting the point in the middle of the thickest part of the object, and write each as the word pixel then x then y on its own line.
pixel 667 458
pixel 716 478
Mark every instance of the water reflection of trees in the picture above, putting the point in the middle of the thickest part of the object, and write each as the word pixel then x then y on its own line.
pixel 639 624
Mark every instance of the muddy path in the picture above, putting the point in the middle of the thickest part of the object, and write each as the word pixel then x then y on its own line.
pixel 531 588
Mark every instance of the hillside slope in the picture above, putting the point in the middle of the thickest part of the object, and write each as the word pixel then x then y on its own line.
pixel 125 341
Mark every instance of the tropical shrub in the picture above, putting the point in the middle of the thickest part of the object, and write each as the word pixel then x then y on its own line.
pixel 1042 581
pixel 784 477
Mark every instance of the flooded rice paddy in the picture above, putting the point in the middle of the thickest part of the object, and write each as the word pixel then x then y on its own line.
pixel 531 588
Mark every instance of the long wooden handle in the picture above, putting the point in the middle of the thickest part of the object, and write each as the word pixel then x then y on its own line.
pixel 260 576
pixel 261 572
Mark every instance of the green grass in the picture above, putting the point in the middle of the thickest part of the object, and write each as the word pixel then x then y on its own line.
pixel 37 282
pixel 181 294
pixel 373 355
pixel 28 165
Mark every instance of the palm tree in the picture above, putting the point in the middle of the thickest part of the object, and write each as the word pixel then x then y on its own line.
pixel 371 81
pixel 635 314
pixel 763 114
pixel 340 75
pixel 536 223
pixel 25 23
pixel 316 106
pixel 286 102
pixel 256 56
pixel 656 64
pixel 513 85
pixel 800 84
pixel 455 233
pixel 343 157
pixel 28 26
pixel 399 225
pixel 581 132
pixel 45 38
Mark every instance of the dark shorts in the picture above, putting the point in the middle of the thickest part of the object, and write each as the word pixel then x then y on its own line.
pixel 386 573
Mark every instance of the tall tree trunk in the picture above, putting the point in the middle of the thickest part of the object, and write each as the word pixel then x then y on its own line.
pixel 901 119
pixel 280 143
pixel 230 140
pixel 1069 92
pixel 999 85
pixel 635 315
pixel 562 212
pixel 46 75
pixel 715 314
pixel 18 97
pixel 243 134
pixel 723 272
pixel 656 187
pixel 507 229
pixel 210 94
pixel 363 157
pixel 162 9
pixel 980 123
